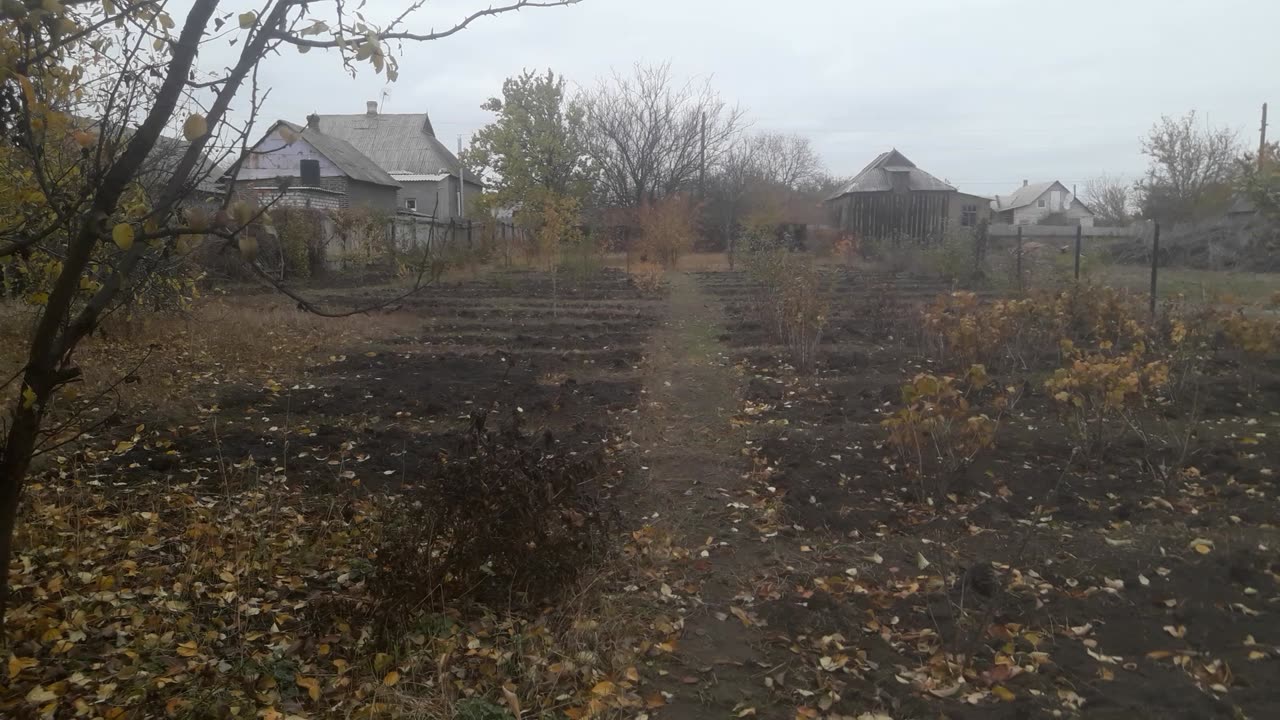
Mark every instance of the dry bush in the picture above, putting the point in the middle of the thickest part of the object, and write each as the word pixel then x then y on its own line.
pixel 959 329
pixel 647 278
pixel 937 432
pixel 1098 388
pixel 1254 334
pixel 505 520
pixel 668 228
pixel 792 302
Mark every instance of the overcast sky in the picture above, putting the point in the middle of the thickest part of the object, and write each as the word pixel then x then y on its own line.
pixel 982 93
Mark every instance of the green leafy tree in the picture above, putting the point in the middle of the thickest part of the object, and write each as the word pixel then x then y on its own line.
pixel 535 158
pixel 1260 181
pixel 535 147
pixel 107 124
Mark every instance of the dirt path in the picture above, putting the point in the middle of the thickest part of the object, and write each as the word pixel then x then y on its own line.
pixel 691 488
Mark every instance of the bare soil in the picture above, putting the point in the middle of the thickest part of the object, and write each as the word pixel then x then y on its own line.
pixel 797 572
pixel 1094 589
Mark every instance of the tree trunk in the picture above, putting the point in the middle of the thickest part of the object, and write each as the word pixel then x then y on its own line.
pixel 14 461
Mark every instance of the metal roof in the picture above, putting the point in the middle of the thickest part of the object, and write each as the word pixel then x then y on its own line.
pixel 403 141
pixel 348 159
pixel 415 177
pixel 875 176
pixel 1023 196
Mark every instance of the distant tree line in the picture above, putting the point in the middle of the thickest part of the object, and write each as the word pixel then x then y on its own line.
pixel 1196 171
pixel 641 145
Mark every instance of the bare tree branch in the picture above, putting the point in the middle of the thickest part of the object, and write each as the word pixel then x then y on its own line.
pixel 422 37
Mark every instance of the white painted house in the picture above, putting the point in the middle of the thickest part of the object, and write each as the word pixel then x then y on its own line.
pixel 1034 202
pixel 296 166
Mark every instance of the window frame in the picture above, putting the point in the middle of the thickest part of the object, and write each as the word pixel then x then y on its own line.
pixel 302 174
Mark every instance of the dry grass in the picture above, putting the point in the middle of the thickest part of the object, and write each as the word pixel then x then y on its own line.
pixel 165 367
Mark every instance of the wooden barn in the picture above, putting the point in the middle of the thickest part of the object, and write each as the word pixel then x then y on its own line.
pixel 892 198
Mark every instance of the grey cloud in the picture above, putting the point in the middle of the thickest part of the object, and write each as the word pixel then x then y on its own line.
pixel 987 91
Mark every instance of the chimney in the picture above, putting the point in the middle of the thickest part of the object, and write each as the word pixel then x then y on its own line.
pixel 1024 183
pixel 371 107
pixel 313 121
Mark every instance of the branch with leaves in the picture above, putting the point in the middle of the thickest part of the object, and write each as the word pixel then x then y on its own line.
pixel 110 127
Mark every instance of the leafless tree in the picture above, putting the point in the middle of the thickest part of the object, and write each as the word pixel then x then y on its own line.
pixel 646 137
pixel 1192 166
pixel 785 160
pixel 1110 198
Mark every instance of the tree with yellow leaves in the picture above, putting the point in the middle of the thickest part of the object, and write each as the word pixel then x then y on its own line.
pixel 111 136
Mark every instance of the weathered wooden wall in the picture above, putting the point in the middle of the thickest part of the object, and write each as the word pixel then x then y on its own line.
pixel 919 215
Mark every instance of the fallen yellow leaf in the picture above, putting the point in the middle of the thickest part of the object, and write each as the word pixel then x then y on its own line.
pixel 311 685
pixel 391 678
pixel 39 694
pixel 1003 693
pixel 18 664
pixel 603 688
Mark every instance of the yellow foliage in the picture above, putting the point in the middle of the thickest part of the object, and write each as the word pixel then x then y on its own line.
pixel 936 432
pixel 1096 388
pixel 668 228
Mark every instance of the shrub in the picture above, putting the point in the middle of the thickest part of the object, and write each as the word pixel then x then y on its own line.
pixel 1253 334
pixel 1097 388
pixel 647 278
pixel 668 228
pixel 960 330
pixel 505 519
pixel 937 433
pixel 792 302
pixel 954 258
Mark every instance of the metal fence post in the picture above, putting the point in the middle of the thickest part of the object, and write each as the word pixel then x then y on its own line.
pixel 1155 264
pixel 1079 238
pixel 980 247
pixel 1020 281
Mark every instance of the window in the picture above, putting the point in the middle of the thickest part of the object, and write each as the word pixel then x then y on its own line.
pixel 968 215
pixel 411 204
pixel 310 172
pixel 1040 203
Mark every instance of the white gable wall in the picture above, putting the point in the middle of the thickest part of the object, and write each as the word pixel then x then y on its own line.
pixel 1057 199
pixel 273 158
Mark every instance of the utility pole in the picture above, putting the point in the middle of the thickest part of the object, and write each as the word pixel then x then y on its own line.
pixel 702 155
pixel 462 181
pixel 1262 140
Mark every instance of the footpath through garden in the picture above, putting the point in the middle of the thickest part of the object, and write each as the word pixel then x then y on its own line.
pixel 694 490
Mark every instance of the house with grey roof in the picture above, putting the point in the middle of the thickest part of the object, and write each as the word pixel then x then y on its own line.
pixel 300 166
pixel 432 180
pixel 892 197
pixel 1036 203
